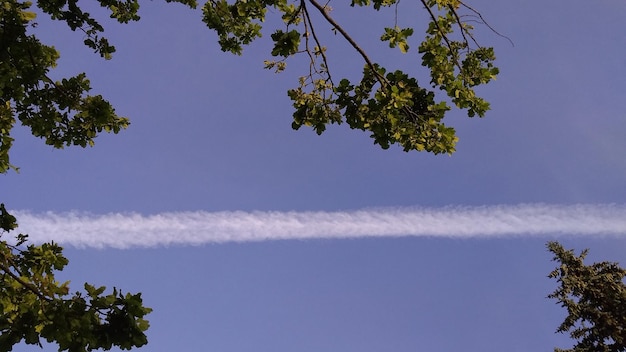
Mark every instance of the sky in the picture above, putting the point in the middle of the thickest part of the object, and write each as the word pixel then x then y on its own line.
pixel 243 234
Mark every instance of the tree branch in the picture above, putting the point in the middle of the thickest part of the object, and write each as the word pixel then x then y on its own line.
pixel 350 40
pixel 445 38
pixel 463 30
pixel 28 286
pixel 486 23
pixel 317 42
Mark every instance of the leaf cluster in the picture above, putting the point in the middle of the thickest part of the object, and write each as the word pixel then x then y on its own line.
pixel 236 24
pixel 35 307
pixel 455 67
pixel 392 107
pixel 395 111
pixel 61 112
pixel 397 38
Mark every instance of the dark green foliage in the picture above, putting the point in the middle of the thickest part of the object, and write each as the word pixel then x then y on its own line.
pixel 400 111
pixel 595 298
pixel 285 43
pixel 236 24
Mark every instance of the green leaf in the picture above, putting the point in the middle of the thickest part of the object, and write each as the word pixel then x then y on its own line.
pixel 285 43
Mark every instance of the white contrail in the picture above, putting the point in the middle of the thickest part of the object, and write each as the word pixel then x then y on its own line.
pixel 193 228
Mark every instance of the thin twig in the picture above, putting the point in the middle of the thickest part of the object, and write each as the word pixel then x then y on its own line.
pixel 486 23
pixel 395 22
pixel 317 42
pixel 460 23
pixel 306 44
pixel 464 31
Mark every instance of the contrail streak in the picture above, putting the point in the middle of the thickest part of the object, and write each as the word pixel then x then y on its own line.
pixel 194 228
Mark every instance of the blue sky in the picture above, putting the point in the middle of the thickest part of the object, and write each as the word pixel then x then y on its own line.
pixel 211 133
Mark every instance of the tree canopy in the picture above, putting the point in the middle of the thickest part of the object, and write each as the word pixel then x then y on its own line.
pixel 388 103
pixel 595 298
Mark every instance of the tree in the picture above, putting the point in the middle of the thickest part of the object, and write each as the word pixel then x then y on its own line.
pixel 391 105
pixel 595 298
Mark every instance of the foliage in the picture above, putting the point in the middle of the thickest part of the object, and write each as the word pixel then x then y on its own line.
pixel 60 112
pixel 389 104
pixel 399 110
pixel 393 109
pixel 35 306
pixel 595 298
